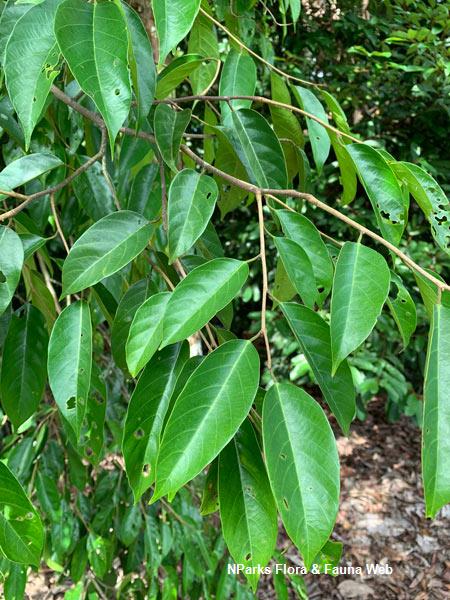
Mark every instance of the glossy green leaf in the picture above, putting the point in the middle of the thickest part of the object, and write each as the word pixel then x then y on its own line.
pixel 128 305
pixel 201 295
pixel 318 135
pixel 15 582
pixel 21 532
pixel 329 557
pixel 30 243
pixel 146 332
pixel 247 509
pixel 303 466
pixel 173 20
pixel 209 410
pixel 88 36
pixel 257 147
pixel 436 415
pixel 313 335
pixel 145 416
pixel 30 68
pixel 93 191
pixel 403 309
pixel 360 288
pixel 24 365
pixel 299 269
pixel 285 123
pixel 169 126
pixel 282 288
pixel 26 168
pixel 203 40
pixel 210 497
pixel 11 13
pixel 383 190
pixel 230 196
pixel 106 247
pixel 238 78
pixel 192 198
pixel 300 229
pixel 176 72
pixel 70 362
pixel 11 261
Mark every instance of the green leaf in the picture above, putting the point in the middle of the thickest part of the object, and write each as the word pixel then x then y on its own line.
pixel 146 332
pixel 93 192
pixel 100 553
pixel 282 289
pixel 403 309
pixel 100 33
pixel 285 123
pixel 106 247
pixel 26 168
pixel 21 532
pixel 329 557
pixel 145 416
pixel 383 190
pixel 360 288
pixel 303 466
pixel 298 268
pixel 11 13
pixel 436 415
pixel 70 362
pixel 257 147
pixel 300 229
pixel 192 198
pixel 11 261
pixel 203 41
pixel 173 20
pixel 210 497
pixel 238 78
pixel 24 365
pixel 318 135
pixel 169 126
pixel 201 295
pixel 176 72
pixel 14 586
pixel 30 68
pixel 247 508
pixel 313 335
pixel 128 305
pixel 209 410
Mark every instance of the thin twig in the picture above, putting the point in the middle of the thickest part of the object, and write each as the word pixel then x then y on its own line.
pixel 265 280
pixel 109 183
pixel 58 224
pixel 163 193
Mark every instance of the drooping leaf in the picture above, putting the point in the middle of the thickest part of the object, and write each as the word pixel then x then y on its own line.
pixel 106 247
pixel 201 295
pixel 403 309
pixel 26 168
pixel 436 415
pixel 203 41
pixel 11 13
pixel 11 261
pixel 145 416
pixel 192 198
pixel 230 196
pixel 24 365
pixel 209 410
pixel 238 78
pixel 173 20
pixel 285 123
pixel 30 68
pixel 282 289
pixel 383 190
pixel 100 32
pixel 70 362
pixel 93 192
pixel 360 288
pixel 21 532
pixel 299 269
pixel 146 332
pixel 169 126
pixel 247 509
pixel 176 72
pixel 210 497
pixel 313 335
pixel 303 466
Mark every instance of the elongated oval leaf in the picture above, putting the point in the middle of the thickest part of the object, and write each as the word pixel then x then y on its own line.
pixel 145 416
pixel 24 365
pixel 11 261
pixel 436 415
pixel 192 198
pixel 169 126
pixel 201 295
pixel 176 72
pixel 238 78
pixel 403 310
pixel 203 40
pixel 313 335
pixel 26 168
pixel 209 410
pixel 93 192
pixel 106 247
pixel 257 147
pixel 30 68
pixel 299 269
pixel 318 135
pixel 247 508
pixel 70 362
pixel 88 36
pixel 303 466
pixel 21 532
pixel 173 20
pixel 11 13
pixel 360 288
pixel 146 332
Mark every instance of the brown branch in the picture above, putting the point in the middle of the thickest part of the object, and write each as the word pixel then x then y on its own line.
pixel 58 224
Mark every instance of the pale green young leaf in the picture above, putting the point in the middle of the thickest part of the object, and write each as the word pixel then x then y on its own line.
pixel 173 20
pixel 11 261
pixel 25 169
pixel 299 269
pixel 238 78
pixel 403 309
pixel 169 126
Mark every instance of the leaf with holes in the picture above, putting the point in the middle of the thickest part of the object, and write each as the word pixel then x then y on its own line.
pixel 238 78
pixel 25 169
pixel 303 466
pixel 169 126
pixel 173 20
pixel 247 508
pixel 403 309
pixel 299 269
pixel 145 416
pixel 70 362
pixel 11 261
pixel 209 410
